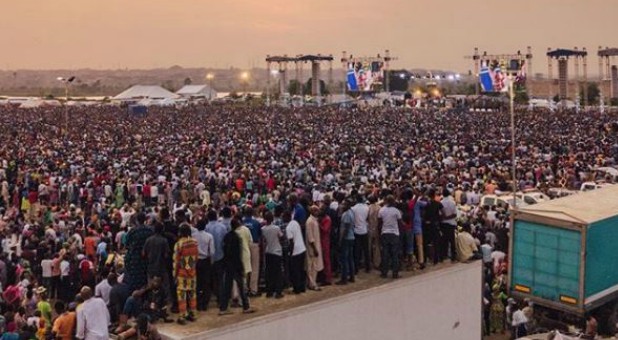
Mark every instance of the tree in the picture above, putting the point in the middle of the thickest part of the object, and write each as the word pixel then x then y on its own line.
pixel 294 87
pixel 594 94
pixel 323 90
pixel 169 85
pixel 188 81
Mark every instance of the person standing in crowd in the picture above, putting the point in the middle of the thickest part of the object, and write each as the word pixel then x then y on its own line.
pixel 314 251
pixel 136 274
pixel 218 231
pixel 185 261
pixel 519 322
pixel 254 250
pixel 64 325
pixel 389 222
pixel 325 229
pixel 92 317
pixel 448 226
pixel 347 244
pixel 233 271
pixel 273 266
pixel 298 256
pixel 373 232
pixel 206 249
pixel 420 203
pixel 118 295
pixel 361 238
pixel 245 245
pixel 432 229
pixel 156 253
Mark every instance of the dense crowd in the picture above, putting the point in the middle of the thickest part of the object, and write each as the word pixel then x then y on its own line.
pixel 136 218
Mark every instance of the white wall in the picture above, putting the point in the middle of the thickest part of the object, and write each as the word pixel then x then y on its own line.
pixel 445 304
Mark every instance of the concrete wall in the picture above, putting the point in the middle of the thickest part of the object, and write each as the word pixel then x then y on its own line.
pixel 444 304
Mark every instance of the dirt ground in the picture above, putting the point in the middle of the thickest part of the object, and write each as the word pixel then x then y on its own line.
pixel 210 319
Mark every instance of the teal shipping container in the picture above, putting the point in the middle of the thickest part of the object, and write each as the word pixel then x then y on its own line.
pixel 564 253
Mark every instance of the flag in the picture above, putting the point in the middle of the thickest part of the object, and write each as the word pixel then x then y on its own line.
pixel 352 83
pixel 486 79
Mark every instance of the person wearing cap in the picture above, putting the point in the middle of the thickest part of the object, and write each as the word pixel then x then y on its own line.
pixel 44 307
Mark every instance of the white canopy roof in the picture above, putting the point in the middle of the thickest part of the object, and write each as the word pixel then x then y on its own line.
pixel 197 91
pixel 146 91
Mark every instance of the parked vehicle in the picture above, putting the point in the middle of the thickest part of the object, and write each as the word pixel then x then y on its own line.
pixel 587 186
pixel 502 202
pixel 560 192
pixel 563 257
pixel 532 197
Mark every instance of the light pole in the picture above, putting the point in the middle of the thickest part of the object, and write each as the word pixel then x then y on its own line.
pixel 210 77
pixel 67 82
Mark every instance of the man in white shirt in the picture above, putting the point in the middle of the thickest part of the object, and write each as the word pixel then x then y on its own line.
pixel 297 260
pixel 448 225
pixel 46 269
pixel 102 290
pixel 519 323
pixel 361 236
pixel 206 254
pixel 389 220
pixel 92 317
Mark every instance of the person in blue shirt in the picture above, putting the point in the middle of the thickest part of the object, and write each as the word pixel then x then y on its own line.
pixel 417 226
pixel 347 244
pixel 218 231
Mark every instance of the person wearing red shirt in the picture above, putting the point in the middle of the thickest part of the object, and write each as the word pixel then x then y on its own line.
pixel 325 227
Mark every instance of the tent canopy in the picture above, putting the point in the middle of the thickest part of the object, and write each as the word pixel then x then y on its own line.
pixel 197 91
pixel 146 91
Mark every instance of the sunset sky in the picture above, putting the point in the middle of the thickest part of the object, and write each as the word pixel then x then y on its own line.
pixel 101 34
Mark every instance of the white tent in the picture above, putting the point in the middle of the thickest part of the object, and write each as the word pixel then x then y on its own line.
pixel 197 91
pixel 145 91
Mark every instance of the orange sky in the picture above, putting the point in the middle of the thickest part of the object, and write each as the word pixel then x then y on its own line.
pixel 99 34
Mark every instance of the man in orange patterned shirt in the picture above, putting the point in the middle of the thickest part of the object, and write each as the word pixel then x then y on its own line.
pixel 185 261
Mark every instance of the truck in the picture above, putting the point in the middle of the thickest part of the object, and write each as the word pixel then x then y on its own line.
pixel 563 256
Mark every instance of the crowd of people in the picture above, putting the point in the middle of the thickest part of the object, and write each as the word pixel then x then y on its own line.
pixel 140 218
